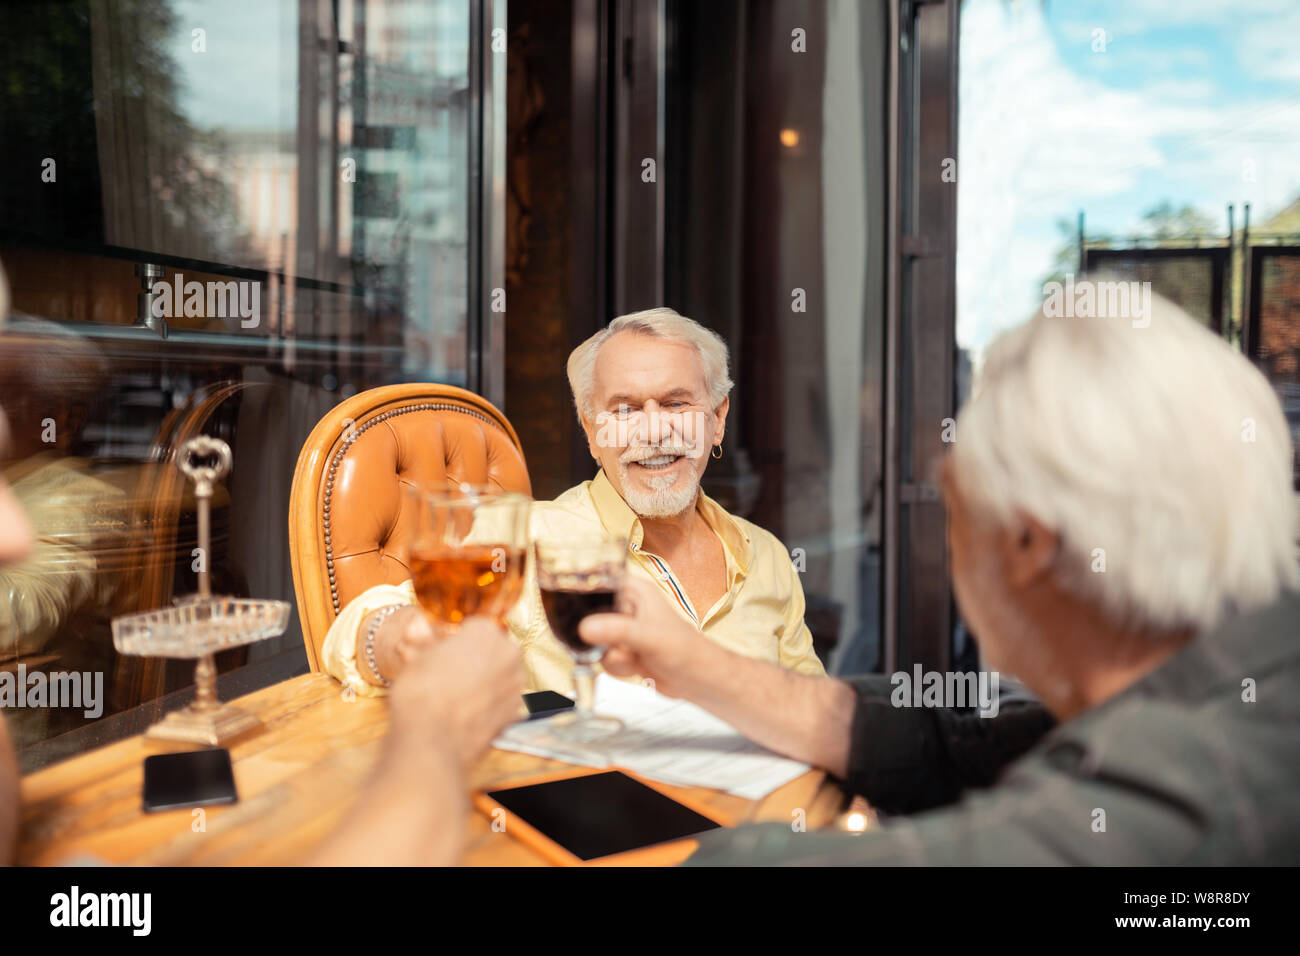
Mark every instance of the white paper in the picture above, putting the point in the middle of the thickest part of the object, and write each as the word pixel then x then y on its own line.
pixel 664 739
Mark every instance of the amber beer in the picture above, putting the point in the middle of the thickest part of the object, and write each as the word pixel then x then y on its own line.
pixel 483 580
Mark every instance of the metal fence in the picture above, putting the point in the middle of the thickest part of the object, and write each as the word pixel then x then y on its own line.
pixel 1273 312
pixel 1196 279
pixel 1201 279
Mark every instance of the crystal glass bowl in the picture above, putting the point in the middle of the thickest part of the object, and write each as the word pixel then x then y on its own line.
pixel 199 626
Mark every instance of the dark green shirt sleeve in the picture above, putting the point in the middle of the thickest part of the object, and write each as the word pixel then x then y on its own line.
pixel 909 759
pixel 1196 764
pixel 1044 812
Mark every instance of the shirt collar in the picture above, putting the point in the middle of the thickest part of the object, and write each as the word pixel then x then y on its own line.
pixel 620 520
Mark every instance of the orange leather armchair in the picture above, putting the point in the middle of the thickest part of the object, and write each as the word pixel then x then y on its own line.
pixel 347 529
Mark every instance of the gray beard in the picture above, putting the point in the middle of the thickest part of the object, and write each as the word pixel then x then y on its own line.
pixel 668 502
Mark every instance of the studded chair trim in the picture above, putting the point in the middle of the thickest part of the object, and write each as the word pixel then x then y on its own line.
pixel 339 455
pixel 328 542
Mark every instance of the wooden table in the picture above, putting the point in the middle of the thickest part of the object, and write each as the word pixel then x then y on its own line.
pixel 296 780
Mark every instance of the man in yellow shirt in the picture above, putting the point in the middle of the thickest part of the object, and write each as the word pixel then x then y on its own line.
pixel 651 390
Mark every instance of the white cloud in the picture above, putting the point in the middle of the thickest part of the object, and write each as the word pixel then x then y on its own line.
pixel 1039 141
pixel 1268 44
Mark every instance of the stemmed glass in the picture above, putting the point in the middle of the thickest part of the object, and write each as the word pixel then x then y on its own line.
pixel 577 578
pixel 467 551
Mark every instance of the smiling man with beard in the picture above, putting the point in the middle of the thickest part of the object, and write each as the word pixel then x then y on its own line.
pixel 651 393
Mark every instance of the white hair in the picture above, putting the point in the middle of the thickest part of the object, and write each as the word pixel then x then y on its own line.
pixel 662 324
pixel 1162 446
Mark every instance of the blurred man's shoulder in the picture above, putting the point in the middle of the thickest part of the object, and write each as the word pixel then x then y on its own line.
pixel 1197 763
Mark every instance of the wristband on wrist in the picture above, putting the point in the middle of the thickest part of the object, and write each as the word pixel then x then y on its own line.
pixel 380 616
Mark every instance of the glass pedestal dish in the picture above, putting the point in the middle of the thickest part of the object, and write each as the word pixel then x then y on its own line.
pixel 196 628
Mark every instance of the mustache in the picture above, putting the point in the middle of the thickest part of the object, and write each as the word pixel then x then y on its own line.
pixel 642 452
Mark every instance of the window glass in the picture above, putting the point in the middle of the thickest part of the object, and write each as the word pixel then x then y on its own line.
pixel 216 218
pixel 775 195
pixel 1153 140
pixel 1119 135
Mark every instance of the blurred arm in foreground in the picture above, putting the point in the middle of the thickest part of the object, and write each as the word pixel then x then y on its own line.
pixel 445 709
pixel 16 540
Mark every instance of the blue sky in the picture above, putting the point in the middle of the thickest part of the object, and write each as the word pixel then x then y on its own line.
pixel 1196 102
pixel 247 78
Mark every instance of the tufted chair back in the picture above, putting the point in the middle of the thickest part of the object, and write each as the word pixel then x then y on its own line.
pixel 347 530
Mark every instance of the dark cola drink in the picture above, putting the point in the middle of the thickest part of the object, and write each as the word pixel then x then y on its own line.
pixel 565 609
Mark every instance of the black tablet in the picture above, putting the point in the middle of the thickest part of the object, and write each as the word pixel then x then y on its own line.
pixel 585 816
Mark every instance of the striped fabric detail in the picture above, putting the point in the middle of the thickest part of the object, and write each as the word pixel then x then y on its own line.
pixel 672 583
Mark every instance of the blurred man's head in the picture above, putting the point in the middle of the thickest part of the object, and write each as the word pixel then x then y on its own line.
pixel 1135 477
pixel 651 391
pixel 50 380
pixel 15 529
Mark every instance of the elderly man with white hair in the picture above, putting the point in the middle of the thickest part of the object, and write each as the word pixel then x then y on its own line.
pixel 651 392
pixel 1120 525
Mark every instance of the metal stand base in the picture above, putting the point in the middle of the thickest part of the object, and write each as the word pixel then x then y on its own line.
pixel 212 727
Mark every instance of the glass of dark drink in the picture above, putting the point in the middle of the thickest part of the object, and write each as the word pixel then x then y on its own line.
pixel 577 578
pixel 467 551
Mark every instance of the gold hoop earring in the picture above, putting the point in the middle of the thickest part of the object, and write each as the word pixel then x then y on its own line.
pixel 717 451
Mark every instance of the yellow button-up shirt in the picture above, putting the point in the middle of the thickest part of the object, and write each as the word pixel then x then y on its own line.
pixel 760 615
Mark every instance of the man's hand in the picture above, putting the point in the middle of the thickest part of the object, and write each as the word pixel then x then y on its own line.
pixel 400 638
pixel 648 638
pixel 807 718
pixel 458 692
pixel 417 636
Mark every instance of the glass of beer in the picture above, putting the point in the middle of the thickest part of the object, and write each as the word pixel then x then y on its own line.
pixel 579 577
pixel 467 551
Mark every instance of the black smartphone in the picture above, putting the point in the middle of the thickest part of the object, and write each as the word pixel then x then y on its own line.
pixel 544 703
pixel 196 778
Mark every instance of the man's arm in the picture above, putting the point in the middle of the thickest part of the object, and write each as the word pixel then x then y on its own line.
pixel 900 759
pixel 795 650
pixel 451 700
pixel 401 633
pixel 8 796
pixel 807 718
pixel 991 828
pixel 400 628
pixel 411 813
pixel 343 654
pixel 908 759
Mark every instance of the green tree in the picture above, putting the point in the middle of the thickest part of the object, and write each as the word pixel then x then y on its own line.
pixel 1163 221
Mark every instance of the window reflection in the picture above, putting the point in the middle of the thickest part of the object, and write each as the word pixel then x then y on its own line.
pixel 775 236
pixel 219 218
